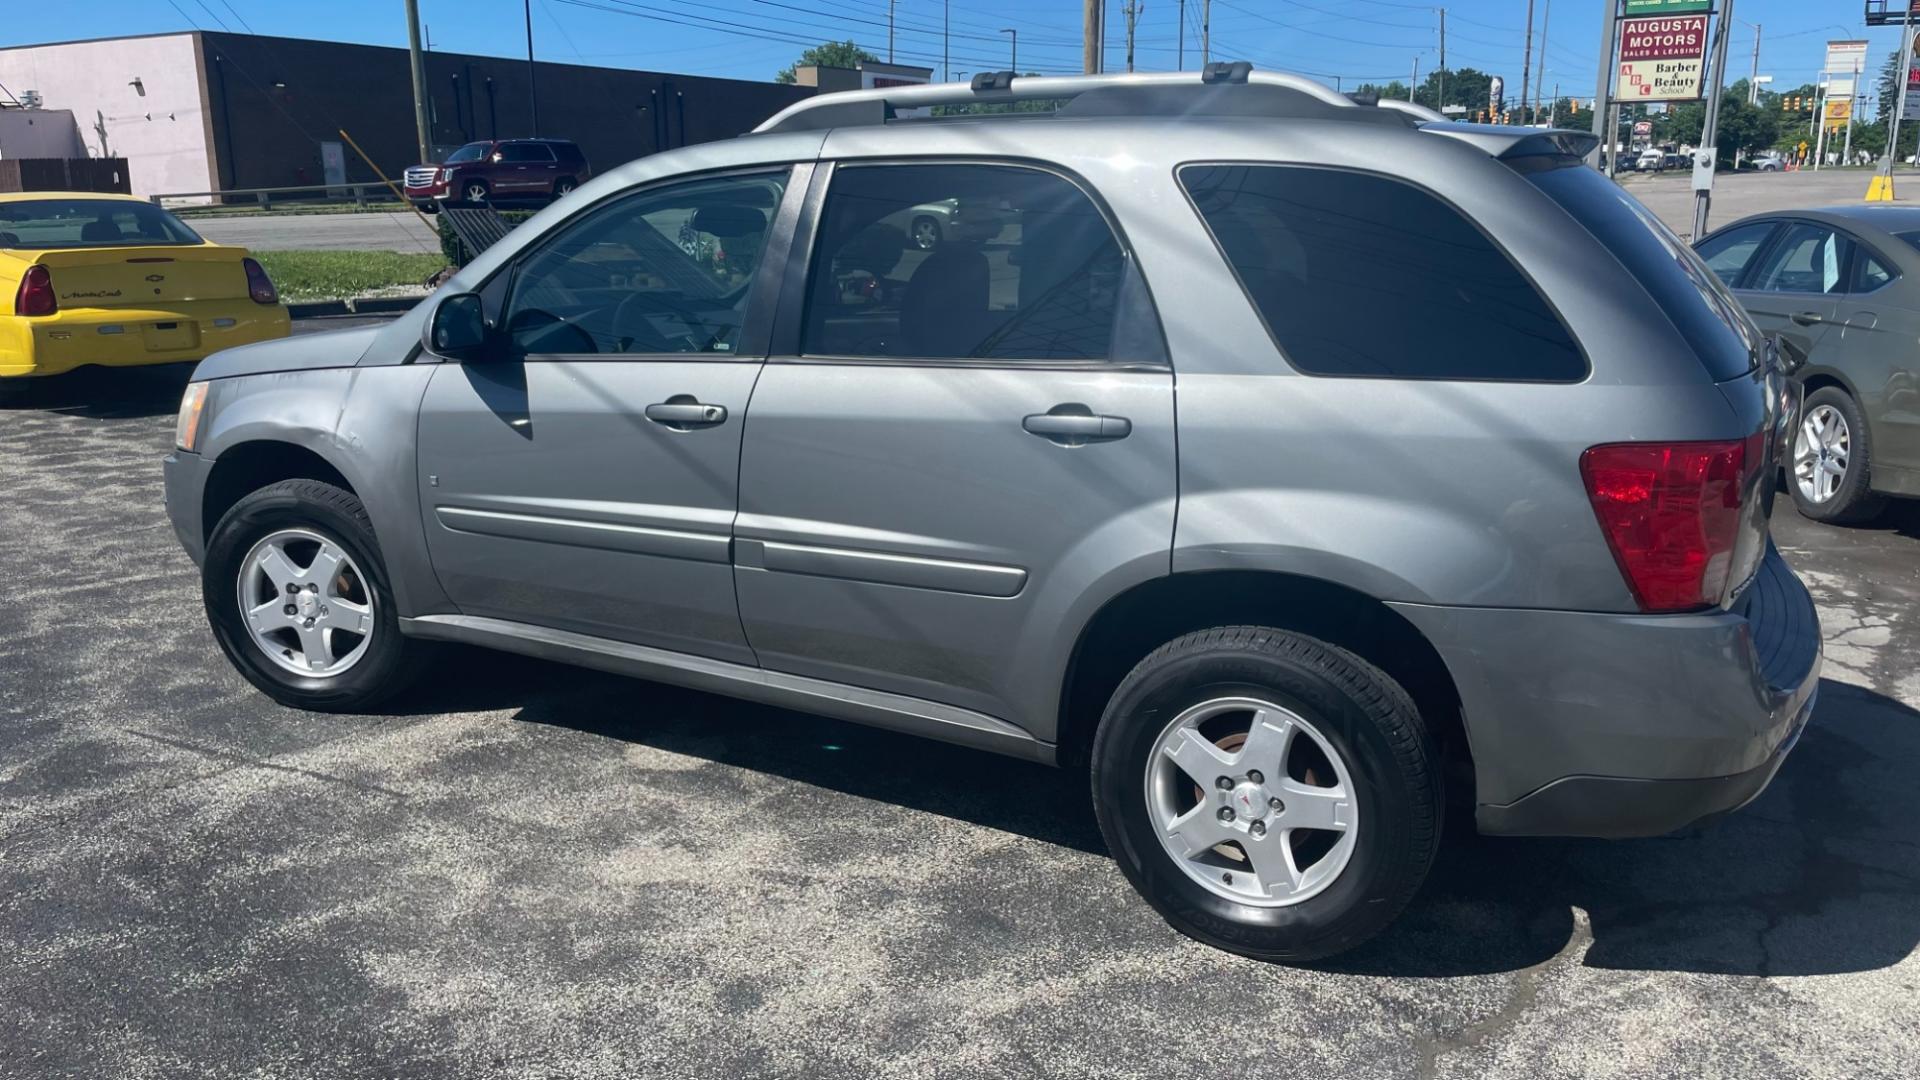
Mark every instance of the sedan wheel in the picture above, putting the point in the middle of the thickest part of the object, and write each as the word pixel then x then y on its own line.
pixel 1820 454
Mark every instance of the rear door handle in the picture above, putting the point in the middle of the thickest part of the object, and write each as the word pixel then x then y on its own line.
pixel 1076 425
pixel 1808 318
pixel 685 414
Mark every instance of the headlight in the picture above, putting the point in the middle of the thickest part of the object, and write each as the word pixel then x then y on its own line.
pixel 186 433
pixel 446 175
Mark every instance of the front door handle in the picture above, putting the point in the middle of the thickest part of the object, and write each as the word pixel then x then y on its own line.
pixel 1807 318
pixel 684 413
pixel 1076 425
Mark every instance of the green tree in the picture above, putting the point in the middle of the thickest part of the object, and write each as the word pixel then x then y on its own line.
pixel 840 54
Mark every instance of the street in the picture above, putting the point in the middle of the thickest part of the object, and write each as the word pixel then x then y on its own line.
pixel 372 231
pixel 520 869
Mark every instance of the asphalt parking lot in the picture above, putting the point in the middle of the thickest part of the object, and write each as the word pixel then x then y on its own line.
pixel 522 870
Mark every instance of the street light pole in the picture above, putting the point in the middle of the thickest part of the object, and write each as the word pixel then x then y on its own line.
pixel 533 79
pixel 1710 131
pixel 1013 62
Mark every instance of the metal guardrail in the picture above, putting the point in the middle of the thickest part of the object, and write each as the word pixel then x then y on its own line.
pixel 355 193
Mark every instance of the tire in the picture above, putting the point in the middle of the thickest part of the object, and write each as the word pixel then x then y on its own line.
pixel 1337 701
pixel 475 191
pixel 16 390
pixel 926 233
pixel 1852 500
pixel 330 515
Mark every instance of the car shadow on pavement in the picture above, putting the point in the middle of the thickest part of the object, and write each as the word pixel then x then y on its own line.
pixel 1821 875
pixel 106 393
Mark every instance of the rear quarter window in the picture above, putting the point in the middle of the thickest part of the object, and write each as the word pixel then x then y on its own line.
pixel 1362 275
pixel 1694 300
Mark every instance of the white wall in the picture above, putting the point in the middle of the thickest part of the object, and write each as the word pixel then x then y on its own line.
pixel 39 133
pixel 161 133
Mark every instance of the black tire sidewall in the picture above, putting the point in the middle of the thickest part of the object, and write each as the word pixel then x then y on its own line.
pixel 338 516
pixel 1372 888
pixel 1854 501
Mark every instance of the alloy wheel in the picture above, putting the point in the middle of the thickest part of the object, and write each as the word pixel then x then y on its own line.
pixel 1252 801
pixel 1820 453
pixel 306 604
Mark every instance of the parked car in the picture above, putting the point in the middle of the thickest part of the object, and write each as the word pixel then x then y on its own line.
pixel 1650 161
pixel 1841 288
pixel 1770 161
pixel 1503 540
pixel 503 170
pixel 117 281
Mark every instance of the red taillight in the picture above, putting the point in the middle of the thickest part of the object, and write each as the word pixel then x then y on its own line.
pixel 259 285
pixel 1671 514
pixel 36 293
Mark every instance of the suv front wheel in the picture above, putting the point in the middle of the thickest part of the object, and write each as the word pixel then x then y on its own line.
pixel 1267 792
pixel 299 599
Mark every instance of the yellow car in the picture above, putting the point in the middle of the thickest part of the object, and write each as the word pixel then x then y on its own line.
pixel 117 281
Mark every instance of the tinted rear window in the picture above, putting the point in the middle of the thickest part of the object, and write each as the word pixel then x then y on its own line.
pixel 1700 307
pixel 89 223
pixel 1363 275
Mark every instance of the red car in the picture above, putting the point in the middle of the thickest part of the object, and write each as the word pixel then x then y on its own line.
pixel 503 170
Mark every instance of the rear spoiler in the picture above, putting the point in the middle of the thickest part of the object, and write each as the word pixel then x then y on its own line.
pixel 1503 141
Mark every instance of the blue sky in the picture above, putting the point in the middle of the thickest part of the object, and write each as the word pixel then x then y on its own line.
pixel 1354 40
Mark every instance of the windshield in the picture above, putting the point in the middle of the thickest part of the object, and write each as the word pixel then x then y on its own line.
pixel 1701 308
pixel 473 151
pixel 39 224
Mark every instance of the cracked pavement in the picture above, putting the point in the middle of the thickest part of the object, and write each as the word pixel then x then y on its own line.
pixel 523 870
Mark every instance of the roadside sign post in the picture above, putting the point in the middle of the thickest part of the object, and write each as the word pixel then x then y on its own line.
pixel 1881 188
pixel 1603 93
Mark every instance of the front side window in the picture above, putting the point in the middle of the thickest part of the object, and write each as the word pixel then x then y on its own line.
pixel 1808 259
pixel 989 262
pixel 89 223
pixel 1727 254
pixel 471 152
pixel 1363 275
pixel 664 271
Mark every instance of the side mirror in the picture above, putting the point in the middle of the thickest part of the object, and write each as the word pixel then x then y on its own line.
pixel 459 330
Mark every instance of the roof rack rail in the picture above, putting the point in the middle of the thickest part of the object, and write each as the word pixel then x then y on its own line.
pixel 1282 94
pixel 1418 111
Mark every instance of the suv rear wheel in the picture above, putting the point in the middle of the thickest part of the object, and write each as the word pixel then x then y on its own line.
pixel 299 600
pixel 1267 792
pixel 1832 459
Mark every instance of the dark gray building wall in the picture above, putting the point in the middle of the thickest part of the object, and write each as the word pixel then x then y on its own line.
pixel 272 101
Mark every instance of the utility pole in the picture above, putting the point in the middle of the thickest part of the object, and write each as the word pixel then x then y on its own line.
pixel 1710 130
pixel 1526 61
pixel 1753 77
pixel 1132 12
pixel 1091 37
pixel 1415 79
pixel 533 79
pixel 1181 52
pixel 1900 101
pixel 1602 96
pixel 419 81
pixel 1013 60
pixel 946 37
pixel 1442 89
pixel 1540 77
pixel 890 4
pixel 1553 107
pixel 1206 31
pixel 1853 108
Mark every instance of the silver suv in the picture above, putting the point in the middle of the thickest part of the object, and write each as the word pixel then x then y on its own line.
pixel 1299 465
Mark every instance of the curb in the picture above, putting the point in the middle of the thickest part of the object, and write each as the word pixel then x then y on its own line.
pixel 383 305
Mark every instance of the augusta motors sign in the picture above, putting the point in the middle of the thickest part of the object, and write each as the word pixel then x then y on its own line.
pixel 1662 59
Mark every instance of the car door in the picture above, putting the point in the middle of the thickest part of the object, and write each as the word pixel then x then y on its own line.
pixel 958 447
pixel 522 168
pixel 586 478
pixel 1794 288
pixel 1873 353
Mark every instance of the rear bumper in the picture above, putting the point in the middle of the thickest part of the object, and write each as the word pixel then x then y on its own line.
pixel 1588 724
pixel 130 337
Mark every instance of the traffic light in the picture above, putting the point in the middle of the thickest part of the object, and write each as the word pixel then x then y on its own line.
pixel 1575 109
